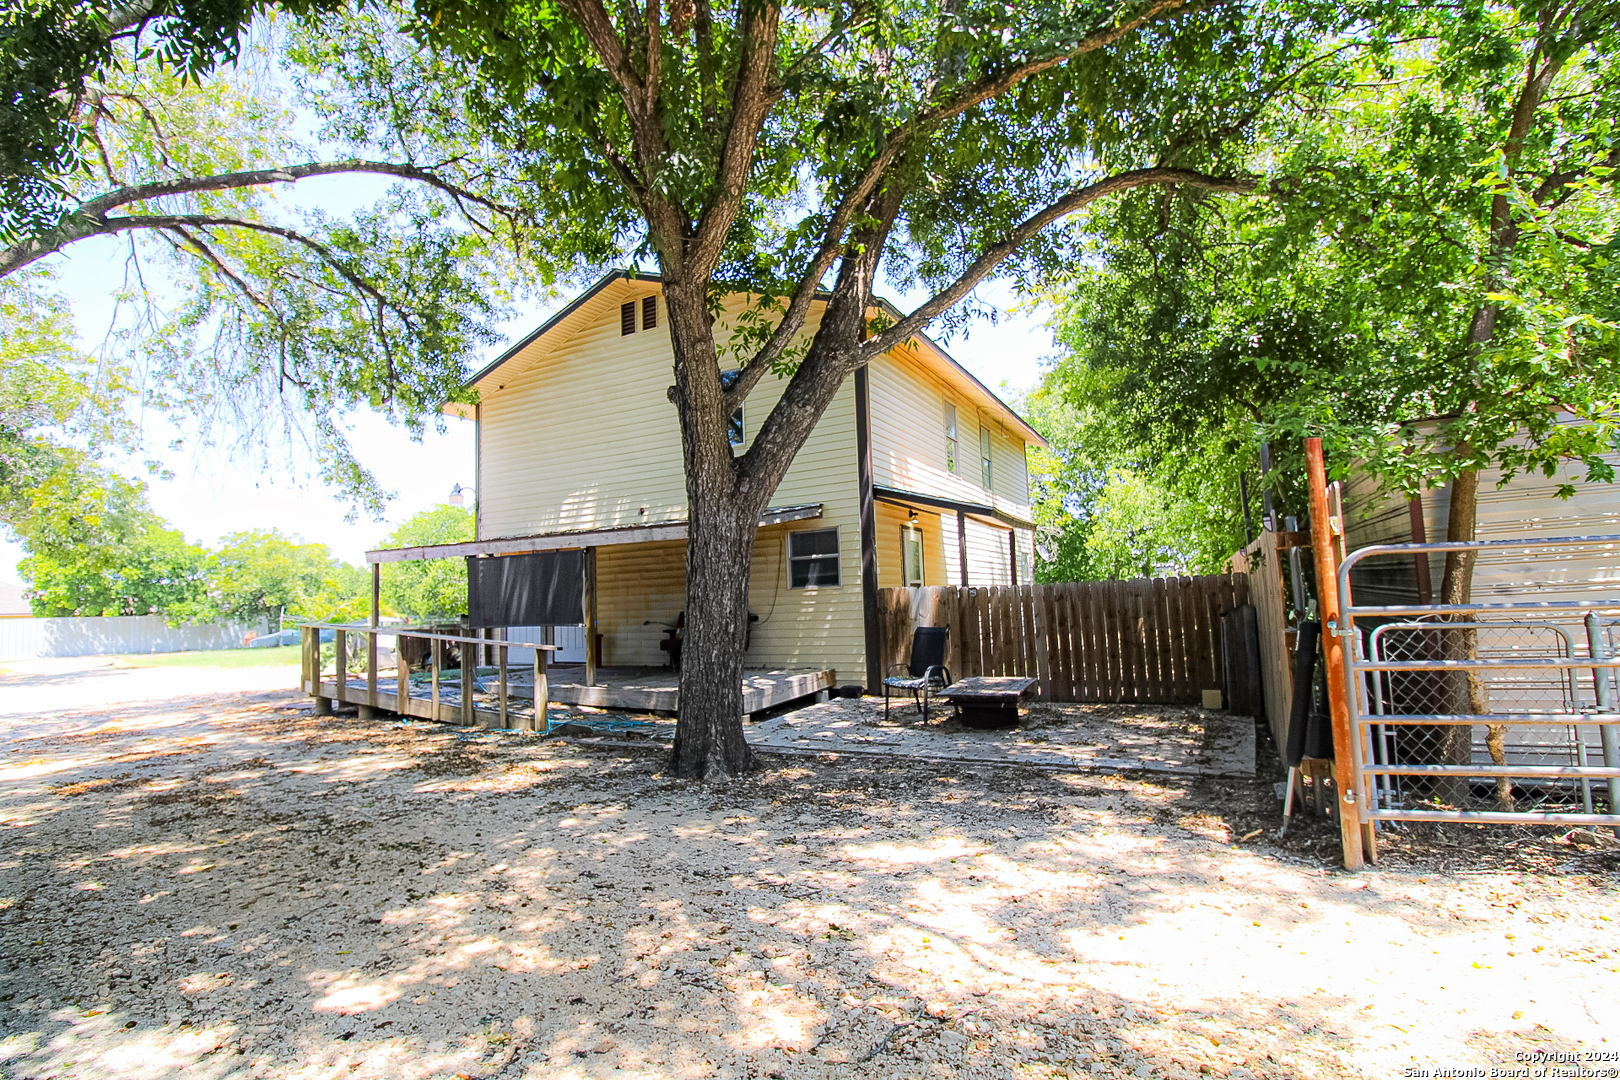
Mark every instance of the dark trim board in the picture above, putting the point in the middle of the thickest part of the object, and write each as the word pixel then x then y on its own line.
pixel 583 538
pixel 902 497
pixel 871 626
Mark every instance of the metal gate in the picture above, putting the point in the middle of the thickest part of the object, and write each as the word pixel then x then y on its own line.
pixel 1490 712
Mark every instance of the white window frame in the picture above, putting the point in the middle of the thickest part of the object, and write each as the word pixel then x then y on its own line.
pixel 910 535
pixel 952 457
pixel 986 471
pixel 837 557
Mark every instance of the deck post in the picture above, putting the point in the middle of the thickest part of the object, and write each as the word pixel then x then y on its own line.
pixel 370 707
pixel 403 696
pixel 340 646
pixel 436 661
pixel 500 661
pixel 590 616
pixel 542 687
pixel 469 678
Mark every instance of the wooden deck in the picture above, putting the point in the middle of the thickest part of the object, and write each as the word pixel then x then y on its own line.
pixel 630 689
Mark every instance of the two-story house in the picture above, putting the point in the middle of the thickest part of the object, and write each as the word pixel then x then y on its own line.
pixel 915 475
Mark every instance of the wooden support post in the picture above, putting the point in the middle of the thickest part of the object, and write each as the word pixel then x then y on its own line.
pixel 340 646
pixel 308 673
pixel 542 687
pixel 469 678
pixel 1327 589
pixel 403 697
pixel 590 616
pixel 500 663
pixel 1012 552
pixel 961 547
pixel 436 659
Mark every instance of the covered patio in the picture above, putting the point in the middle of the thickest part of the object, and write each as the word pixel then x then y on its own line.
pixel 520 591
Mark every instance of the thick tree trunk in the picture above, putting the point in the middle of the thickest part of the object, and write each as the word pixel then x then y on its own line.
pixel 723 514
pixel 1453 744
pixel 709 740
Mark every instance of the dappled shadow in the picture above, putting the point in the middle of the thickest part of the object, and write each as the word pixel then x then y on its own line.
pixel 233 887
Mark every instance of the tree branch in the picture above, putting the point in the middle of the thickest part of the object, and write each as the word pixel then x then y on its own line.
pixel 894 143
pixel 751 105
pixel 90 218
pixel 994 255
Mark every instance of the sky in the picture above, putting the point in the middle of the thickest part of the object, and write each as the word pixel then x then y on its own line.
pixel 214 492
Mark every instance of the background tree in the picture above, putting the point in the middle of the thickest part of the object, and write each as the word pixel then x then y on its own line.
pixel 435 588
pixel 1343 304
pixel 127 561
pixel 269 577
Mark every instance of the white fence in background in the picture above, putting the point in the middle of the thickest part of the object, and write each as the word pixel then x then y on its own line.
pixel 570 642
pixel 32 639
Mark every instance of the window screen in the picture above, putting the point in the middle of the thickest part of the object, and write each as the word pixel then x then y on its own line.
pixel 950 436
pixel 649 312
pixel 813 558
pixel 627 318
pixel 911 554
pixel 984 456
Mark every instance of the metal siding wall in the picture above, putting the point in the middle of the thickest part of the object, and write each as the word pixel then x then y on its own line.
pixel 908 440
pixel 30 638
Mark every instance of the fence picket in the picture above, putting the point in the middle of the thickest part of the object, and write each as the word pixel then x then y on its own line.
pixel 1151 640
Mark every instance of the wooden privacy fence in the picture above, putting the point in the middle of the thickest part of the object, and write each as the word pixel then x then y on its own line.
pixel 1152 640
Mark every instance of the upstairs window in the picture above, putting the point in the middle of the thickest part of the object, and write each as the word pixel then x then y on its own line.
pixel 813 558
pixel 950 437
pixel 911 554
pixel 649 313
pixel 984 456
pixel 627 318
pixel 734 426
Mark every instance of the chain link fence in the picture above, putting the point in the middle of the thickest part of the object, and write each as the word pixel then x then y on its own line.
pixel 1502 710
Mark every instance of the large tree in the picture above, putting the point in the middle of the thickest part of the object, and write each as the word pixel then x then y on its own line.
pixel 778 150
pixel 774 150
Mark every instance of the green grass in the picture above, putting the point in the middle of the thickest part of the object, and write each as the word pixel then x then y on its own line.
pixel 285 656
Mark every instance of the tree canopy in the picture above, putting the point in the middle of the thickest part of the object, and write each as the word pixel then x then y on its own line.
pixel 430 589
pixel 1436 243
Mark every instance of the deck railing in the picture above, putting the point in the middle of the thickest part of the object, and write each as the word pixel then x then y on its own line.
pixel 355 650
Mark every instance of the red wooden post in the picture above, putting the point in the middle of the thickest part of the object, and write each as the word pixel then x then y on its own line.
pixel 1327 588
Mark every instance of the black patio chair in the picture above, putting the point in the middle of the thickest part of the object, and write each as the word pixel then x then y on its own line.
pixel 926 674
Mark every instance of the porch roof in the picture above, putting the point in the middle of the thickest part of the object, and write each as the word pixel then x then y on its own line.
pixel 900 497
pixel 576 538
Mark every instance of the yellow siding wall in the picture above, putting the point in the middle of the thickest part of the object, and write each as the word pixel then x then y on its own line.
pixel 989 558
pixel 634 583
pixel 939 550
pixel 908 439
pixel 576 432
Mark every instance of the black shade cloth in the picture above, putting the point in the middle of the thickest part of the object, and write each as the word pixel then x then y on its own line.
pixel 546 588
pixel 1310 731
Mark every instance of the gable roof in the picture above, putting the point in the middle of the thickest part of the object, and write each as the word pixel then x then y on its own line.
pixel 931 349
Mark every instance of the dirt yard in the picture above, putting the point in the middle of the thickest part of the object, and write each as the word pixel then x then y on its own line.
pixel 200 879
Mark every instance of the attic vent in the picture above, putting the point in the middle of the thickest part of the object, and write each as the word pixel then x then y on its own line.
pixel 627 318
pixel 649 312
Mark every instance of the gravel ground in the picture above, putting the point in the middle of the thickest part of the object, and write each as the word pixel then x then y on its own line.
pixel 221 885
